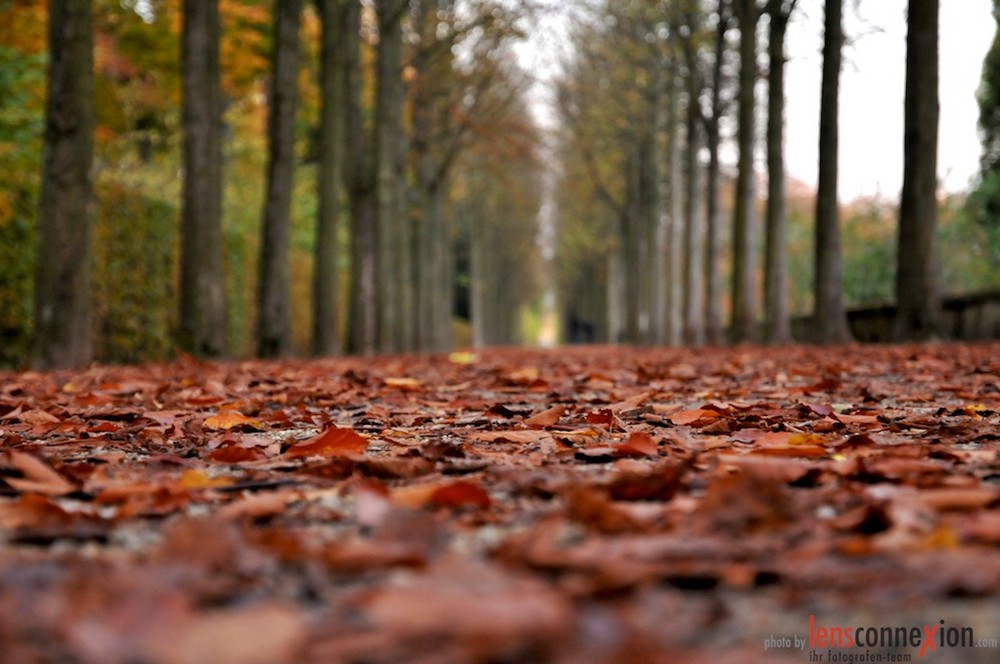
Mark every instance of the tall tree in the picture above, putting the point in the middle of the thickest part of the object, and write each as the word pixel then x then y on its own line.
pixel 744 316
pixel 273 314
pixel 918 288
pixel 392 227
pixel 360 177
pixel 713 176
pixel 203 288
pixel 675 204
pixel 829 318
pixel 694 310
pixel 777 325
pixel 330 176
pixel 988 192
pixel 63 318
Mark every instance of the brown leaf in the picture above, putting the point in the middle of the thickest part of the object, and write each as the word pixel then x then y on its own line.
pixel 546 418
pixel 461 494
pixel 638 444
pixel 697 417
pixel 39 476
pixel 331 442
pixel 228 419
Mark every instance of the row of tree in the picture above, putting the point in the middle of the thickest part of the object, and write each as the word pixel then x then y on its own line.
pixel 408 90
pixel 645 104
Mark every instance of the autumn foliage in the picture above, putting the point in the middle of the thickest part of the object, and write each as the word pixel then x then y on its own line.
pixel 587 505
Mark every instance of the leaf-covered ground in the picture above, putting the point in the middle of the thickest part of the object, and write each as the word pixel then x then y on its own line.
pixel 579 505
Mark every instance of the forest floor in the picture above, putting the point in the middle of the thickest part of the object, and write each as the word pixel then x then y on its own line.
pixel 595 504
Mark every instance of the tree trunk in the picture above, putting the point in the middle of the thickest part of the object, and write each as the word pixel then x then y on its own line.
pixel 713 270
pixel 203 281
pixel 830 321
pixel 744 316
pixel 330 178
pixel 675 260
pixel 694 324
pixel 359 175
pixel 918 289
pixel 777 326
pixel 395 298
pixel 63 317
pixel 273 312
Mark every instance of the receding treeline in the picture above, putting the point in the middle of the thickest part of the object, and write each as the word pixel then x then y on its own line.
pixel 268 178
pixel 652 95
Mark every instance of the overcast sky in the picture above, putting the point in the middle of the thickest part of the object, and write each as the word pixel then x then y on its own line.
pixel 872 84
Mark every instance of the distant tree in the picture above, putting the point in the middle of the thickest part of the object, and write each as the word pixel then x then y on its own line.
pixel 829 319
pixel 718 104
pixel 273 315
pixel 918 289
pixel 744 316
pixel 360 176
pixel 203 288
pixel 777 325
pixel 63 317
pixel 984 202
pixel 330 175
pixel 395 300
pixel 690 34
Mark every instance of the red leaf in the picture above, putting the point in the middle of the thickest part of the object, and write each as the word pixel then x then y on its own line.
pixel 603 416
pixel 546 418
pixel 460 494
pixel 638 444
pixel 332 442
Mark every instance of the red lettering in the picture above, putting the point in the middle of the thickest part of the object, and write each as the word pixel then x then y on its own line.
pixel 929 639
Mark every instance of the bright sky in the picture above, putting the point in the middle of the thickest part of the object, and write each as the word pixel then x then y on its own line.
pixel 872 85
pixel 871 97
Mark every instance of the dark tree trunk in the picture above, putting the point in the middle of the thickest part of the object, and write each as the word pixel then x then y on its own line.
pixel 713 270
pixel 273 289
pixel 203 280
pixel 330 177
pixel 830 320
pixel 918 289
pixel 744 316
pixel 694 308
pixel 675 241
pixel 363 318
pixel 394 265
pixel 777 325
pixel 63 317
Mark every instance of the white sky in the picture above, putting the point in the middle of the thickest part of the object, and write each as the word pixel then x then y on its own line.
pixel 871 96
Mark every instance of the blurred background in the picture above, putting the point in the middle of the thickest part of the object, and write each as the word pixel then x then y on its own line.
pixel 420 175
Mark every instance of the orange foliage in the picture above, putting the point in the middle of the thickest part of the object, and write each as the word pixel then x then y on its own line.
pixel 23 25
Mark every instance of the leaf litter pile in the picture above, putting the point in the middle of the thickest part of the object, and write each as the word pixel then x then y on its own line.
pixel 577 505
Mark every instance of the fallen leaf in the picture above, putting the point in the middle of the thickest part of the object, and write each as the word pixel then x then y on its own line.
pixel 403 383
pixel 228 419
pixel 546 418
pixel 460 494
pixel 638 444
pixel 39 476
pixel 333 441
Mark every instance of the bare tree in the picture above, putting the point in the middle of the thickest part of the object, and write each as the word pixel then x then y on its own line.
pixel 829 320
pixel 203 284
pixel 777 325
pixel 713 176
pixel 918 288
pixel 395 300
pixel 63 318
pixel 330 175
pixel 360 177
pixel 744 316
pixel 273 315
